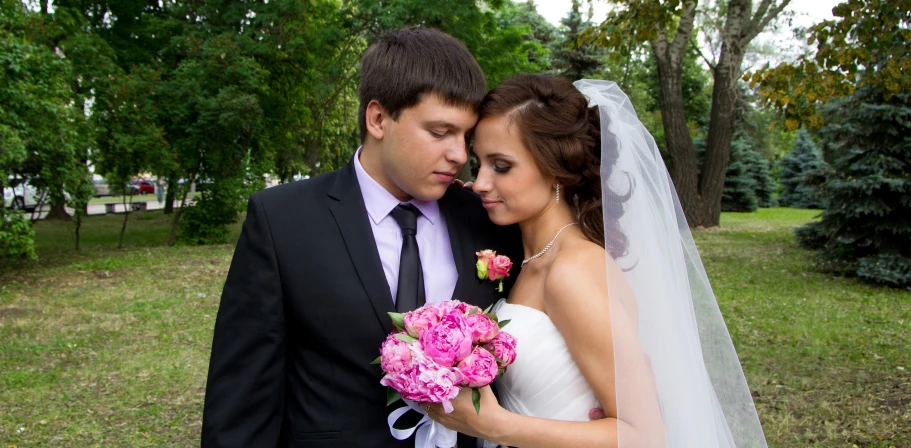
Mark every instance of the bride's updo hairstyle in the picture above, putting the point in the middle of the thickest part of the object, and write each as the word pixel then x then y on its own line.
pixel 563 133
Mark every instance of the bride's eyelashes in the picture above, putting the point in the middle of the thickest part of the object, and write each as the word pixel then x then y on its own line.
pixel 501 168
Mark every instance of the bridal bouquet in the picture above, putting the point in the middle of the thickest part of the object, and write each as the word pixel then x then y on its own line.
pixel 439 349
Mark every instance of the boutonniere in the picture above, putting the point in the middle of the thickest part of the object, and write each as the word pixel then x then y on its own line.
pixel 493 267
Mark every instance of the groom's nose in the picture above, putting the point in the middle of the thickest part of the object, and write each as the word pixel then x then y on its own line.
pixel 458 151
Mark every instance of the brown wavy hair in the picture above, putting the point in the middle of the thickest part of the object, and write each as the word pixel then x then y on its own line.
pixel 563 134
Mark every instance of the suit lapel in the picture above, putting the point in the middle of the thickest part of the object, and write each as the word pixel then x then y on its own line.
pixel 350 214
pixel 459 238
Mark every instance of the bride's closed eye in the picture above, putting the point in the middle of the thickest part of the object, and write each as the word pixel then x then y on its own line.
pixel 501 168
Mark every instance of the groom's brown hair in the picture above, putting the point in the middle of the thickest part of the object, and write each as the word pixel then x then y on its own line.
pixel 404 65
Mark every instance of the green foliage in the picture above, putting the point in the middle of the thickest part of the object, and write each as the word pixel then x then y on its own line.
pixel 748 183
pixel 887 269
pixel 866 45
pixel 129 142
pixel 739 194
pixel 574 57
pixel 540 35
pixel 208 220
pixel 867 220
pixel 218 205
pixel 43 131
pixel 17 238
pixel 798 170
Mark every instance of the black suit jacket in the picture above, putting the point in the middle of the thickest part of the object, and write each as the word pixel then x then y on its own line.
pixel 304 311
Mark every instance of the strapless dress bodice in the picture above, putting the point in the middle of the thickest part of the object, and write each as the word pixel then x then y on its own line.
pixel 544 381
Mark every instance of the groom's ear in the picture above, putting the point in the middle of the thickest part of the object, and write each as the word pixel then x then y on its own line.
pixel 377 117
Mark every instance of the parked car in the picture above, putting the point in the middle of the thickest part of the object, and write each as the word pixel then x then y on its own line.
pixel 142 186
pixel 18 194
pixel 101 187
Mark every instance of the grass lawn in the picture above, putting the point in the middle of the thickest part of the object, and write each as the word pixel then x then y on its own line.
pixel 110 347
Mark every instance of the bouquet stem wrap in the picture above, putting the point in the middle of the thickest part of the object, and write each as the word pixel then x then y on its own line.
pixel 430 434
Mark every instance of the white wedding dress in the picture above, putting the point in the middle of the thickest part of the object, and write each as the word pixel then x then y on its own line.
pixel 544 381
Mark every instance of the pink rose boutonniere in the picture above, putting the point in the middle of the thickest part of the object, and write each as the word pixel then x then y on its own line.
pixel 493 267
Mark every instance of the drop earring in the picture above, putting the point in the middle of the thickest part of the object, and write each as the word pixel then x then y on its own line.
pixel 558 193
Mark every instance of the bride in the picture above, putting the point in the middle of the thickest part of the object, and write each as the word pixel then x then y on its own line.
pixel 612 307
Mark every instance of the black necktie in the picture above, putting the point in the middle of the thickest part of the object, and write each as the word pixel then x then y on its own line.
pixel 410 294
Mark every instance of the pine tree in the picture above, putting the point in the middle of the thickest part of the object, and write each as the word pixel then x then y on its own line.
pixel 797 170
pixel 759 169
pixel 569 58
pixel 865 229
pixel 739 194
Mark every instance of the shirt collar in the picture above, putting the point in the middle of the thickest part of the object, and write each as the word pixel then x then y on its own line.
pixel 380 202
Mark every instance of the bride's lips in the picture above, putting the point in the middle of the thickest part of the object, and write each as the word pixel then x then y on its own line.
pixel 489 204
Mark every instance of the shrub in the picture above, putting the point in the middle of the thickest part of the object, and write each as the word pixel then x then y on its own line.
pixel 17 238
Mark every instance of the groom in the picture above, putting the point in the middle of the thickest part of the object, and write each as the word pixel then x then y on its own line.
pixel 321 262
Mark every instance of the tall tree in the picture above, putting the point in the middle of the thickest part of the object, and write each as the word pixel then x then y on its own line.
pixel 129 142
pixel 212 117
pixel 38 114
pixel 668 27
pixel 574 57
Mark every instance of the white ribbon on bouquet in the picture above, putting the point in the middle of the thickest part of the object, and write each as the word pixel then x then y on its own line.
pixel 430 434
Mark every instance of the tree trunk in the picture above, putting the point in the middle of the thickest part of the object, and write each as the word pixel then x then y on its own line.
pixel 682 163
pixel 78 226
pixel 58 211
pixel 183 204
pixel 170 196
pixel 126 216
pixel 722 121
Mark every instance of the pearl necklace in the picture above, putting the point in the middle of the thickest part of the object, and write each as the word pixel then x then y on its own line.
pixel 551 243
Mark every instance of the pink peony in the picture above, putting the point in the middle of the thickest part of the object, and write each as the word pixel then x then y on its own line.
pixel 425 381
pixel 395 355
pixel 419 320
pixel 451 306
pixel 479 368
pixel 482 328
pixel 503 346
pixel 498 267
pixel 448 341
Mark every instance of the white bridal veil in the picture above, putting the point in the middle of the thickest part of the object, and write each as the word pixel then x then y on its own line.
pixel 702 393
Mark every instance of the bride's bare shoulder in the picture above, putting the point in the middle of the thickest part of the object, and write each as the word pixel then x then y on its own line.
pixel 579 269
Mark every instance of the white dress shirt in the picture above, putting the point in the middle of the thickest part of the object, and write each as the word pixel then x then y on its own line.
pixel 437 262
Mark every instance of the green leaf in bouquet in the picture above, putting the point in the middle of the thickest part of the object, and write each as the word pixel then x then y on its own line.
pixel 398 320
pixel 376 361
pixel 488 309
pixel 405 338
pixel 493 317
pixel 503 323
pixel 392 396
pixel 476 400
pixel 500 361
